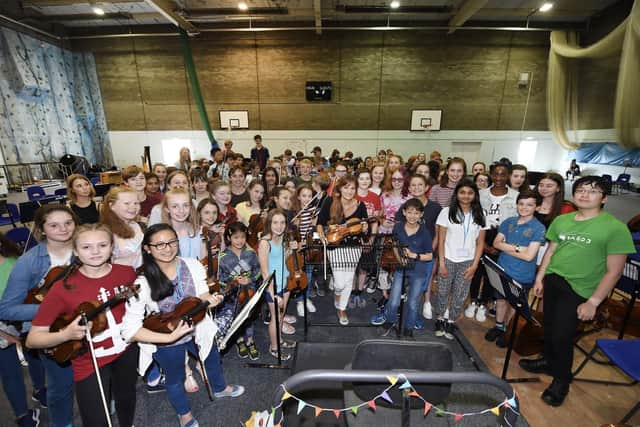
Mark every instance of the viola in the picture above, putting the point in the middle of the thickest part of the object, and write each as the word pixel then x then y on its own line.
pixel 388 259
pixel 297 279
pixel 37 294
pixel 93 312
pixel 190 310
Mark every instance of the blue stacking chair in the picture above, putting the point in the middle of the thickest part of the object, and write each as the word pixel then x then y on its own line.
pixel 35 192
pixel 625 355
pixel 9 213
pixel 22 237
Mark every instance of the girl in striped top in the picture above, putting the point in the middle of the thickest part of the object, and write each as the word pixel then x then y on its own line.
pixel 455 170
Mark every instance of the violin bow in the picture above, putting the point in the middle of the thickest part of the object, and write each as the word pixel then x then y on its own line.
pixel 97 369
pixel 205 377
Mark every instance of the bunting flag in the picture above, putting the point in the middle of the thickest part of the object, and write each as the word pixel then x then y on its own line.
pixel 406 384
pixel 384 394
pixel 427 408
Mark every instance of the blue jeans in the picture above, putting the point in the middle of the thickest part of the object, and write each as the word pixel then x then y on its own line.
pixel 171 360
pixel 12 381
pixel 59 392
pixel 415 286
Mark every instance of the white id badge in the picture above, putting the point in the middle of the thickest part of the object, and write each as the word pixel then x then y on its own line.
pixel 463 253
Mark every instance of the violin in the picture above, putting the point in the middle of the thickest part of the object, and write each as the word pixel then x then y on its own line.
pixel 352 227
pixel 255 228
pixel 93 312
pixel 190 310
pixel 37 294
pixel 212 239
pixel 388 259
pixel 297 279
pixel 245 292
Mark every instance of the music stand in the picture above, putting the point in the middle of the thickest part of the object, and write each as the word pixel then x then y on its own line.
pixel 517 297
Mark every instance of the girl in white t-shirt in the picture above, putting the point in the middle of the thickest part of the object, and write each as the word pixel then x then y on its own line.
pixel 461 229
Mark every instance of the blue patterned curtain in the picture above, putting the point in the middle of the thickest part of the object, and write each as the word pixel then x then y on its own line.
pixel 607 154
pixel 50 103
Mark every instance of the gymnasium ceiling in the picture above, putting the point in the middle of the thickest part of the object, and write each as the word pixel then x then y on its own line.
pixel 76 17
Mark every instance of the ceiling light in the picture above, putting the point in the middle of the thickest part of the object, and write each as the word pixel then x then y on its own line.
pixel 395 4
pixel 98 11
pixel 243 6
pixel 546 7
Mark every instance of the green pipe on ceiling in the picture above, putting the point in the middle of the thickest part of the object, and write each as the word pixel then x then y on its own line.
pixel 195 86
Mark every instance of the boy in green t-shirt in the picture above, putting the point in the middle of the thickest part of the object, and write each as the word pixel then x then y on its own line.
pixel 586 256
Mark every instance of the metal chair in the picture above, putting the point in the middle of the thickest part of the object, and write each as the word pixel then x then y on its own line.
pixel 22 237
pixel 624 355
pixel 60 192
pixel 622 183
pixel 35 192
pixel 8 213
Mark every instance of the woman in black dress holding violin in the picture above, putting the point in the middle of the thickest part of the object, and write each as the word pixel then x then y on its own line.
pixel 342 207
pixel 165 282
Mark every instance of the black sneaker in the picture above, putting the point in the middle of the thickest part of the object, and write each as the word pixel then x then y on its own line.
pixel 493 334
pixel 535 366
pixel 449 328
pixel 243 350
pixel 440 328
pixel 555 394
pixel 30 419
pixel 267 318
pixel 501 341
pixel 254 354
pixel 40 396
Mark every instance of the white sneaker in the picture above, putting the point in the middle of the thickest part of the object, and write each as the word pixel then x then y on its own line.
pixel 300 308
pixel 481 314
pixel 310 307
pixel 470 312
pixel 426 310
pixel 290 319
pixel 446 314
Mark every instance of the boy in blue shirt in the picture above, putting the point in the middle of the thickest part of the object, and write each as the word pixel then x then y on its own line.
pixel 519 239
pixel 415 241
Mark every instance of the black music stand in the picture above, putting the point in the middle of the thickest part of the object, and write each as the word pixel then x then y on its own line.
pixel 517 296
pixel 352 256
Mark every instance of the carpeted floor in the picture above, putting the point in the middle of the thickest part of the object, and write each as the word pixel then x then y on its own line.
pixel 260 383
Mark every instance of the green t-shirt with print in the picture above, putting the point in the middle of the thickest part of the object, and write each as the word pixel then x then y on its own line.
pixel 5 270
pixel 583 246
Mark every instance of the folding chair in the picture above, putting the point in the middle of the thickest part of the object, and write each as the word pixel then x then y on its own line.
pixel 623 354
pixel 35 192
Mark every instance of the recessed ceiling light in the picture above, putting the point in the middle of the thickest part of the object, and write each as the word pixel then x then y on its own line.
pixel 98 10
pixel 546 7
pixel 243 6
pixel 395 4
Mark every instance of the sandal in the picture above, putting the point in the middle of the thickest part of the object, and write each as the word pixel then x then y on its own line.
pixel 190 384
pixel 283 356
pixel 288 344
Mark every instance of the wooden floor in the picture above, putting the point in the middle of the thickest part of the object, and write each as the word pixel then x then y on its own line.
pixel 586 405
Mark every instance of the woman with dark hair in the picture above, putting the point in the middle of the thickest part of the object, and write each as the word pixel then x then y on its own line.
pixel 166 281
pixel 455 170
pixel 254 204
pixel 10 369
pixel 270 180
pixel 53 227
pixel 238 188
pixel 551 189
pixel 342 207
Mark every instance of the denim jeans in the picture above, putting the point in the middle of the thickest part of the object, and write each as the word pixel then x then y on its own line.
pixel 414 291
pixel 12 381
pixel 59 392
pixel 171 360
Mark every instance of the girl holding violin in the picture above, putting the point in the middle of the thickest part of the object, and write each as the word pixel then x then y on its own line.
pixel 342 207
pixel 53 227
pixel 167 280
pixel 178 211
pixel 119 211
pixel 254 205
pixel 10 370
pixel 307 209
pixel 272 253
pixel 208 214
pixel 221 192
pixel 93 279
pixel 239 267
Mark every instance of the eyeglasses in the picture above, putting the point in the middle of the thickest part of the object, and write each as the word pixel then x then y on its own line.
pixel 397 179
pixel 163 245
pixel 591 192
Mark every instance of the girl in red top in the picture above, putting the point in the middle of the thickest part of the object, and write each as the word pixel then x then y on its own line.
pixel 93 279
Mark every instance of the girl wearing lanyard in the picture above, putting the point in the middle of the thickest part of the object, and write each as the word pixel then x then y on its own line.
pixel 461 229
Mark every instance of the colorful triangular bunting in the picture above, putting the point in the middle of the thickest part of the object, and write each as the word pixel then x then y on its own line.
pixel 386 397
pixel 457 417
pixel 496 411
pixel 318 410
pixel 392 380
pixel 427 408
pixel 406 384
pixel 336 412
pixel 372 404
pixel 301 405
pixel 354 409
pixel 286 395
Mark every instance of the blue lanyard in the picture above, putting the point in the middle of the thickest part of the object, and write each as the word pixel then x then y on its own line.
pixel 466 225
